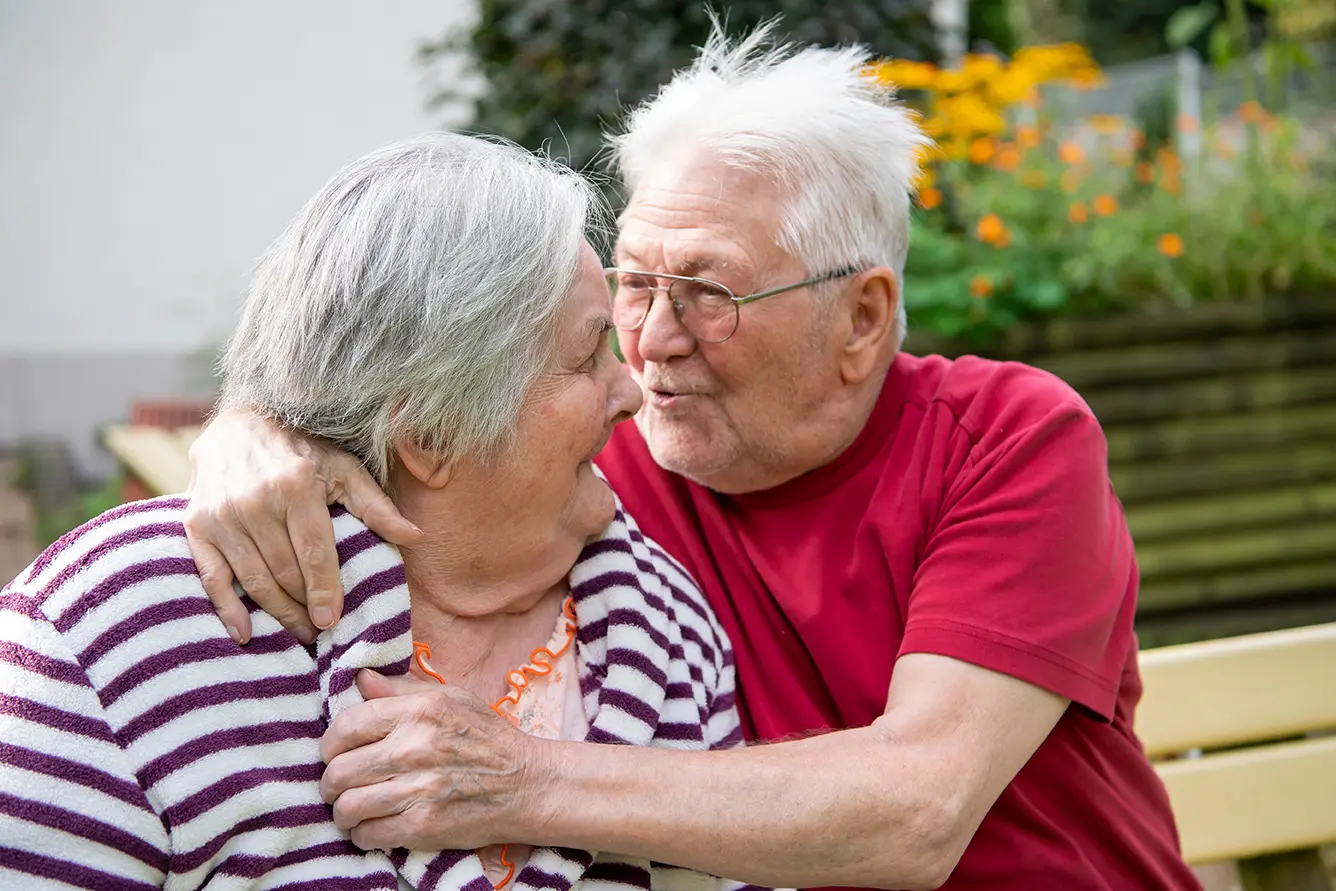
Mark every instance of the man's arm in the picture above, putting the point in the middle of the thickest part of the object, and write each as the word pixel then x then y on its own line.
pixel 892 805
pixel 257 514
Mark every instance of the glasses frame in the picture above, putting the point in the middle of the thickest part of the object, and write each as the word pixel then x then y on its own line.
pixel 737 301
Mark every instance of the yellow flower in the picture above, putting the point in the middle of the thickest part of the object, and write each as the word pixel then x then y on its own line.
pixel 906 74
pixel 1106 124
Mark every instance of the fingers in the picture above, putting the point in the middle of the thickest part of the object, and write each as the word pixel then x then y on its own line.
pixel 363 803
pixel 253 574
pixel 374 685
pixel 363 766
pixel 317 559
pixel 355 489
pixel 270 535
pixel 359 725
pixel 380 834
pixel 217 578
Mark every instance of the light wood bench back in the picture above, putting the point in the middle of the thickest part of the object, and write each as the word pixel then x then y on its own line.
pixel 1263 708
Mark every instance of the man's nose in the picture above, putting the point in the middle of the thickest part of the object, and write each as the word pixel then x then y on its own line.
pixel 663 336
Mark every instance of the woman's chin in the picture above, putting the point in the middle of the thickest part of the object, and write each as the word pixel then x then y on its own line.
pixel 598 506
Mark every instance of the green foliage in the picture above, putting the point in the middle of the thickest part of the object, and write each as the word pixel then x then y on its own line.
pixel 559 73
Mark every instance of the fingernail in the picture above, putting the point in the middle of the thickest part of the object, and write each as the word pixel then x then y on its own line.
pixel 304 634
pixel 233 633
pixel 323 616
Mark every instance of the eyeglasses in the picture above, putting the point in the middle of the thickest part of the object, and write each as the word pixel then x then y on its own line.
pixel 707 309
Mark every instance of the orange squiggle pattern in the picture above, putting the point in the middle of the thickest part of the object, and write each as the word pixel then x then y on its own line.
pixel 540 665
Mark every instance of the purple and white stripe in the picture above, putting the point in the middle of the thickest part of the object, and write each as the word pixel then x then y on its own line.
pixel 141 748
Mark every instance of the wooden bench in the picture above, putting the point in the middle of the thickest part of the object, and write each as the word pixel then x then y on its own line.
pixel 1243 733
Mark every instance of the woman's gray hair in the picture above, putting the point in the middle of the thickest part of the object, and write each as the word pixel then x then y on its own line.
pixel 416 295
pixel 808 118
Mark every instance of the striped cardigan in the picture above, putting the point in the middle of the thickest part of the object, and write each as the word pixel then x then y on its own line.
pixel 141 748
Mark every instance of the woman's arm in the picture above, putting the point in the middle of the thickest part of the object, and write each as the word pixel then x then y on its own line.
pixel 71 808
pixel 258 515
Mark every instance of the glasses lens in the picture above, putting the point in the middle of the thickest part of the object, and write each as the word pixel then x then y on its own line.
pixel 631 297
pixel 708 310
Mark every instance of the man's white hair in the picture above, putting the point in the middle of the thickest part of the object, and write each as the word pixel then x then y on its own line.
pixel 416 295
pixel 808 118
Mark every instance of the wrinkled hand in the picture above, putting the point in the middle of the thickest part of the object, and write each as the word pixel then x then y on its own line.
pixel 428 767
pixel 258 514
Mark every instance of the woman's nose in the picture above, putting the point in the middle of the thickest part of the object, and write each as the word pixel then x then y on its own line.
pixel 626 398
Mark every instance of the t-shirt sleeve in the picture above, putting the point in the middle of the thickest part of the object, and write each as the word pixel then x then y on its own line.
pixel 1029 570
pixel 71 809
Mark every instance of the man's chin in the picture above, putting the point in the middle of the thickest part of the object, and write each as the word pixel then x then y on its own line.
pixel 687 455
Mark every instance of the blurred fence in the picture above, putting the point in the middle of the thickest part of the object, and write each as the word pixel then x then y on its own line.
pixel 1166 86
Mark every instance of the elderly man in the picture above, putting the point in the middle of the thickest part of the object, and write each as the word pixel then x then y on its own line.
pixel 924 557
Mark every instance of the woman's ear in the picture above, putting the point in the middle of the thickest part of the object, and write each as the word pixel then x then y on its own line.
pixel 427 467
pixel 872 310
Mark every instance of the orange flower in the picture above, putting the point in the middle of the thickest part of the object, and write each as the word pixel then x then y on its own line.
pixel 1138 139
pixel 929 198
pixel 1187 123
pixel 1071 153
pixel 1171 183
pixel 1145 173
pixel 1169 244
pixel 981 150
pixel 990 229
pixel 981 287
pixel 1077 213
pixel 1169 161
pixel 1071 181
pixel 1224 149
pixel 1252 112
pixel 1122 157
pixel 1027 136
pixel 1004 240
pixel 1008 158
pixel 1034 179
pixel 1105 205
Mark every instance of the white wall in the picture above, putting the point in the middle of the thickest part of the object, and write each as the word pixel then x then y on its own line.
pixel 149 151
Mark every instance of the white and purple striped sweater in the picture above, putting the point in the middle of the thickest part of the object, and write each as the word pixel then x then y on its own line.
pixel 141 748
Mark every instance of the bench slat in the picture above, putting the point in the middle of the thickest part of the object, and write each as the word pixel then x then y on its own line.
pixel 155 455
pixel 1249 802
pixel 1238 690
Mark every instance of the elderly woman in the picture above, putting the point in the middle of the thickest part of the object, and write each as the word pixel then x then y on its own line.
pixel 436 311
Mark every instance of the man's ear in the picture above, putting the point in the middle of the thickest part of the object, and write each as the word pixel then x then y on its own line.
pixel 427 467
pixel 871 306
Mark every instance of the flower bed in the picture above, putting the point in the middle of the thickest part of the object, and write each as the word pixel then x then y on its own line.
pixel 1019 218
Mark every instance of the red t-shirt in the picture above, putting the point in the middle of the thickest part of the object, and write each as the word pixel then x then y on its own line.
pixel 973 517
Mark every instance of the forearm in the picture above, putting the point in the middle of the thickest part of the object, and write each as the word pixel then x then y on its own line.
pixel 844 808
